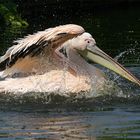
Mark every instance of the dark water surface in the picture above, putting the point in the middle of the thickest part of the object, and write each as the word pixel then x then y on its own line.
pixel 111 116
pixel 122 122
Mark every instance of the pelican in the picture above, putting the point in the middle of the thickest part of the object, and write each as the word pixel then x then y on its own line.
pixel 56 60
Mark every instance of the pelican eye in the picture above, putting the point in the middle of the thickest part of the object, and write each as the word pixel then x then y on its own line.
pixel 88 41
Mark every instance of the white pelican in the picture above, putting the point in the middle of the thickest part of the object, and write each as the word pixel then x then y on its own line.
pixel 55 60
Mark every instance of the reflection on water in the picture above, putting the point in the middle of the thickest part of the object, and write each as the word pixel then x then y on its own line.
pixel 114 115
pixel 116 124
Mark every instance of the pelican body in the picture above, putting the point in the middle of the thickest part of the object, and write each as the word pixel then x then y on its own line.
pixel 56 60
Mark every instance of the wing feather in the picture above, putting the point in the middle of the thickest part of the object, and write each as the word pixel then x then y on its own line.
pixel 33 45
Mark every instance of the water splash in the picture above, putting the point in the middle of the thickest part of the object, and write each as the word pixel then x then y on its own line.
pixel 116 90
pixel 130 56
pixel 113 93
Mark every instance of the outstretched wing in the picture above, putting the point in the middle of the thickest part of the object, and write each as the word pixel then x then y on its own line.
pixel 33 45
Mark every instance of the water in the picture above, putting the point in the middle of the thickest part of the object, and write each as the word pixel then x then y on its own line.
pixel 112 115
pixel 115 123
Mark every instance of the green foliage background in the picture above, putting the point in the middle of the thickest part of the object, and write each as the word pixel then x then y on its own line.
pixel 8 11
pixel 11 23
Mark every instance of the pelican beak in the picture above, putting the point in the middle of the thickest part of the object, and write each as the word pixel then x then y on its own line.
pixel 95 54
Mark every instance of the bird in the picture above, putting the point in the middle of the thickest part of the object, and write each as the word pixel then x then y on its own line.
pixel 57 60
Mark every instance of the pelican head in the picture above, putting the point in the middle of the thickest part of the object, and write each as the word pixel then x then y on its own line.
pixel 86 46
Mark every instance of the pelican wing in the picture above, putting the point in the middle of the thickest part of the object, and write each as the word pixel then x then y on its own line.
pixel 32 45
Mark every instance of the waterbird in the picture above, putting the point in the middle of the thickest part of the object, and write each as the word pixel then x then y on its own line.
pixel 56 60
